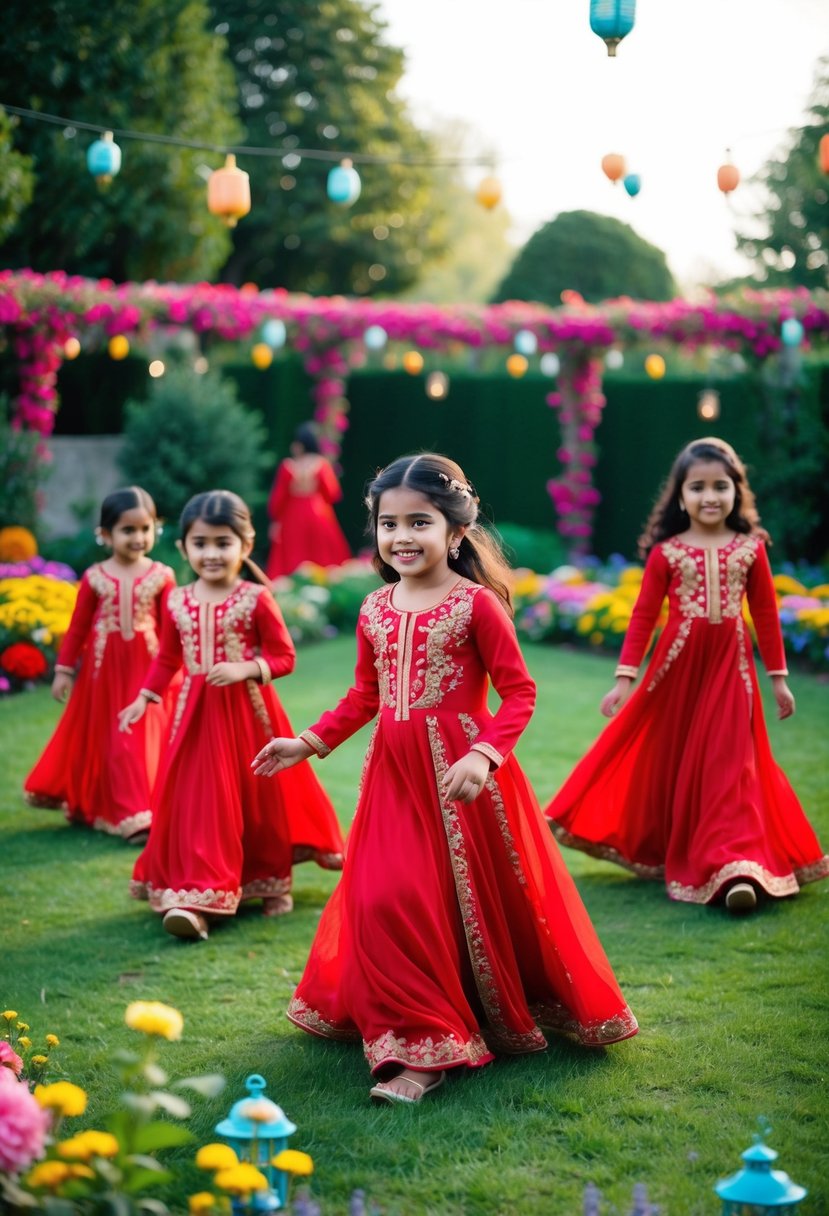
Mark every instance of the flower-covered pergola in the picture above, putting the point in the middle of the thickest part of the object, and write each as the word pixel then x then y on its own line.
pixel 39 313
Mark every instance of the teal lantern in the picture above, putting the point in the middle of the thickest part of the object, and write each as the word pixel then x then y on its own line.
pixel 375 337
pixel 103 159
pixel 758 1190
pixel 344 184
pixel 791 332
pixel 526 343
pixel 274 333
pixel 632 182
pixel 257 1129
pixel 612 20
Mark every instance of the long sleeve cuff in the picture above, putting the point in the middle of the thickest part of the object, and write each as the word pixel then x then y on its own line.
pixel 265 673
pixel 316 743
pixel 784 671
pixel 486 749
pixel 624 669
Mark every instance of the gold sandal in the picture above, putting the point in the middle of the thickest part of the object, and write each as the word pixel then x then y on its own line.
pixel 381 1093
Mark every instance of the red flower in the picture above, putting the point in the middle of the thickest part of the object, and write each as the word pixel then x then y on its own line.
pixel 23 661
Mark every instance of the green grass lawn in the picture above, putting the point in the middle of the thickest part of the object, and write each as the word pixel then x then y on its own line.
pixel 733 1012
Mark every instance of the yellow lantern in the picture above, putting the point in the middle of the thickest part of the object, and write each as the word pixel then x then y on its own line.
pixel 412 362
pixel 655 367
pixel 262 356
pixel 517 365
pixel 228 192
pixel 118 347
pixel 488 193
pixel 71 348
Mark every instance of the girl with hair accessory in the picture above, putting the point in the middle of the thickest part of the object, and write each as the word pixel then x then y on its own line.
pixel 456 930
pixel 303 525
pixel 88 769
pixel 219 836
pixel 682 784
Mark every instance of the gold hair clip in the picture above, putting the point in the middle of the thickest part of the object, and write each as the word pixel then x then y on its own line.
pixel 458 487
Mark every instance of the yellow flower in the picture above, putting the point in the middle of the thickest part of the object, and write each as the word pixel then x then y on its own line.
pixel 151 1017
pixel 89 1144
pixel 23 1026
pixel 293 1162
pixel 216 1157
pixel 49 1174
pixel 53 1040
pixel 64 1097
pixel 16 544
pixel 24 1041
pixel 784 584
pixel 241 1179
pixel 596 638
pixel 10 1014
pixel 39 1060
pixel 202 1201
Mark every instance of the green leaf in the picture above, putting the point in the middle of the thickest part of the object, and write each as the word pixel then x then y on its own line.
pixel 173 1105
pixel 155 1074
pixel 158 1135
pixel 208 1085
pixel 141 1179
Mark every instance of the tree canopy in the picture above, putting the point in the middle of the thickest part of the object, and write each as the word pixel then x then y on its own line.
pixel 16 178
pixel 595 255
pixel 147 65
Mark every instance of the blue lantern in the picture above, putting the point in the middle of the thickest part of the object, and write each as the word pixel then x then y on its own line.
pixel 344 184
pixel 758 1190
pixel 612 20
pixel 375 337
pixel 526 343
pixel 103 159
pixel 632 182
pixel 274 333
pixel 257 1129
pixel 550 364
pixel 791 332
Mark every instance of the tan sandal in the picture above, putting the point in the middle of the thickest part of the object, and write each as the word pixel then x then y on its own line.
pixel 277 905
pixel 181 922
pixel 381 1092
pixel 741 897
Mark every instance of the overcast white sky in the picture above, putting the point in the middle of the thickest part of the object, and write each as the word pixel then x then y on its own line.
pixel 694 78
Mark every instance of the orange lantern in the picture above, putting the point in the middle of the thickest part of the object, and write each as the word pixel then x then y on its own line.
pixel 488 193
pixel 118 347
pixel 655 367
pixel 823 154
pixel 728 177
pixel 613 166
pixel 262 356
pixel 71 348
pixel 228 192
pixel 412 362
pixel 517 365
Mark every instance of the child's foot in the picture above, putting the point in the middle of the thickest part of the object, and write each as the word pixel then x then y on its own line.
pixel 278 905
pixel 741 897
pixel 407 1087
pixel 181 922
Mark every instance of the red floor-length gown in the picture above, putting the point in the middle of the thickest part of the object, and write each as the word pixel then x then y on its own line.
pixel 89 769
pixel 301 502
pixel 456 930
pixel 220 834
pixel 682 784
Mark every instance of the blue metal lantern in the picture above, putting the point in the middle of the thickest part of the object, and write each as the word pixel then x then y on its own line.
pixel 526 343
pixel 375 337
pixel 344 184
pixel 791 332
pixel 632 182
pixel 257 1129
pixel 612 20
pixel 103 159
pixel 758 1190
pixel 274 333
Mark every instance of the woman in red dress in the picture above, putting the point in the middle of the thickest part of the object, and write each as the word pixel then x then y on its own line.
pixel 682 784
pixel 220 836
pixel 456 930
pixel 303 526
pixel 92 772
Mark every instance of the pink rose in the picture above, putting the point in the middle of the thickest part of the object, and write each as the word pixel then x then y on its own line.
pixel 9 1058
pixel 23 1125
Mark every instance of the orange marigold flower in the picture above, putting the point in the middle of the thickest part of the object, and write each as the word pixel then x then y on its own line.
pixel 62 1096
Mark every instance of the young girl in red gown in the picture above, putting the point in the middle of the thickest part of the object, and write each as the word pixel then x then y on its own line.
pixel 90 770
pixel 219 836
pixel 303 526
pixel 456 930
pixel 682 784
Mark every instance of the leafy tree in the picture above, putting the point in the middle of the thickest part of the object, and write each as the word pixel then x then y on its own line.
pixel 595 255
pixel 319 76
pixel 792 248
pixel 147 65
pixel 16 178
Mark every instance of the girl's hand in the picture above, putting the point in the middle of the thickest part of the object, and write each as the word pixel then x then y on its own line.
pixel 784 697
pixel 132 714
pixel 279 754
pixel 222 674
pixel 613 701
pixel 61 685
pixel 464 781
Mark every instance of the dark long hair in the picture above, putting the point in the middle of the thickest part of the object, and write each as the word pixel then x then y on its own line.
pixel 307 438
pixel 445 484
pixel 125 499
pixel 223 508
pixel 667 519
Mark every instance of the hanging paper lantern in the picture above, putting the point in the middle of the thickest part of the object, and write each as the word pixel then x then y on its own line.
pixel 344 185
pixel 71 348
pixel 614 359
pixel 412 362
pixel 488 193
pixel 274 333
pixel 612 20
pixel 526 343
pixel 437 385
pixel 613 166
pixel 632 182
pixel 823 154
pixel 791 332
pixel 262 356
pixel 655 367
pixel 517 365
pixel 103 159
pixel 118 347
pixel 550 364
pixel 228 192
pixel 708 405
pixel 728 177
pixel 375 337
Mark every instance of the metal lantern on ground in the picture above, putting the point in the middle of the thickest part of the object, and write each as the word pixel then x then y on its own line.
pixel 343 185
pixel 257 1129
pixel 612 20
pixel 103 159
pixel 228 192
pixel 613 166
pixel 758 1190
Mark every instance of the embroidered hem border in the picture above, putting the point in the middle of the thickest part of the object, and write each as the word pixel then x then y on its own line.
pixel 776 885
pixel 603 852
pixel 219 903
pixel 44 802
pixel 127 827
pixel 326 861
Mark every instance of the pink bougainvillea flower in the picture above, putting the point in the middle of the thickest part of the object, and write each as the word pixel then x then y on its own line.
pixel 10 1059
pixel 23 1125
